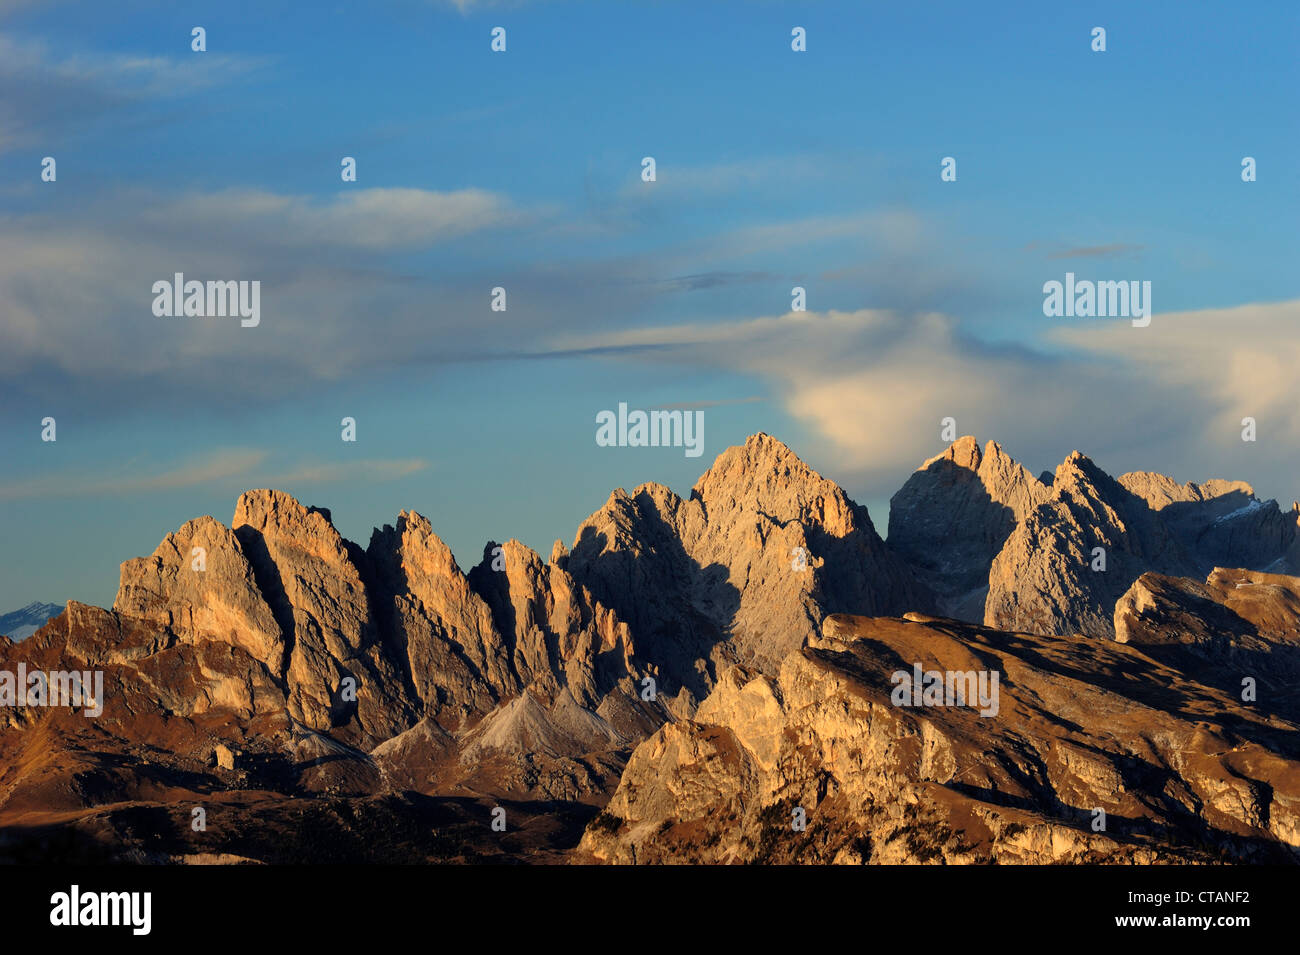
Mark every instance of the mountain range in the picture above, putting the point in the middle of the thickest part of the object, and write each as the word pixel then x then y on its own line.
pixel 703 679
pixel 23 623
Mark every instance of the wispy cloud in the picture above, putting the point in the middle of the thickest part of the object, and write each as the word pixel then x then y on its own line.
pixel 205 469
pixel 337 472
pixel 709 280
pixel 722 178
pixel 1238 362
pixel 46 94
pixel 684 405
pixel 244 466
pixel 369 219
pixel 75 292
pixel 1063 250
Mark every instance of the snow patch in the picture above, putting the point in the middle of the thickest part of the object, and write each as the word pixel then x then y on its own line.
pixel 1240 512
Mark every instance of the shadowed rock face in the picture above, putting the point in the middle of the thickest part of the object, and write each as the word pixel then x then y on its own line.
pixel 744 570
pixel 953 516
pixel 1183 774
pixel 1220 523
pixel 459 664
pixel 998 546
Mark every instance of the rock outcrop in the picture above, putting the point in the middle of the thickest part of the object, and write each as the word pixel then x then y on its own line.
pixel 1096 753
pixel 337 671
pixel 443 630
pixel 1239 631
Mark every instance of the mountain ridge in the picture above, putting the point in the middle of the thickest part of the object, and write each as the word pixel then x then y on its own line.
pixel 22 623
pixel 332 669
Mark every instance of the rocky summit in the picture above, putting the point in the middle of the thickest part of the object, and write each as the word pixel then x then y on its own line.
pixel 1064 668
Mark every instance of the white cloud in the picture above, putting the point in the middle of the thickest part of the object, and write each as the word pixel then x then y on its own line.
pixel 874 386
pixel 1241 360
pixel 76 296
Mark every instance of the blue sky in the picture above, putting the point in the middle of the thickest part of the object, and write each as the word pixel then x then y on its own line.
pixel 522 170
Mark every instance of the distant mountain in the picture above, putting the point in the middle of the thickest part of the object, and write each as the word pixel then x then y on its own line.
pixel 23 623
pixel 1052 555
pixel 688 673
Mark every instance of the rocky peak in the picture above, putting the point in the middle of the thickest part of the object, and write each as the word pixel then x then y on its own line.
pixel 1064 566
pixel 952 516
pixel 412 558
pixel 280 518
pixel 313 571
pixel 524 676
pixel 1160 491
pixel 1231 608
pixel 1078 472
pixel 313 581
pixel 558 635
pixel 23 623
pixel 964 452
pixel 200 585
pixel 362 647
pixel 1053 554
pixel 745 568
pixel 440 628
pixel 764 476
pixel 1236 623
pixel 1009 483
